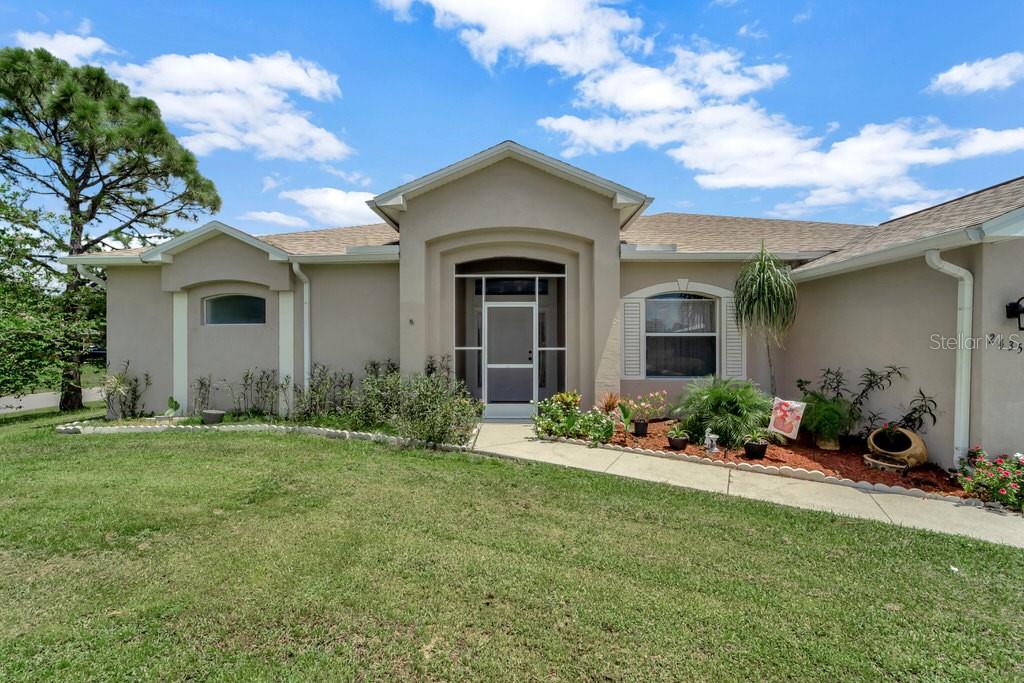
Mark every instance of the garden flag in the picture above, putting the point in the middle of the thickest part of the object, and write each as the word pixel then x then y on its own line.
pixel 786 416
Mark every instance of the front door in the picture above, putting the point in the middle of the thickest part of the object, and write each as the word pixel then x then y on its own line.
pixel 511 381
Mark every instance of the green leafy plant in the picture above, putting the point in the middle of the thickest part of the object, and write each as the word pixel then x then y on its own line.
pixel 257 392
pixel 765 300
pixel 922 407
pixel 558 416
pixel 626 412
pixel 678 431
pixel 436 408
pixel 202 389
pixel 328 392
pixel 645 407
pixel 172 407
pixel 998 479
pixel 596 426
pixel 761 435
pixel 827 417
pixel 377 400
pixel 728 407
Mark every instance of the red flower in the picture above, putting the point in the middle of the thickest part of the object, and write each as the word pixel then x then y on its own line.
pixel 1015 486
pixel 1002 492
pixel 999 461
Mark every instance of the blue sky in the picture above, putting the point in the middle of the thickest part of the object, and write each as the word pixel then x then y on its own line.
pixel 845 111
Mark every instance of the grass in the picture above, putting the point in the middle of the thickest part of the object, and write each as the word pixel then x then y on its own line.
pixel 235 556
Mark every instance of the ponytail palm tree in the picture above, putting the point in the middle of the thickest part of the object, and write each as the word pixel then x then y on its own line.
pixel 765 297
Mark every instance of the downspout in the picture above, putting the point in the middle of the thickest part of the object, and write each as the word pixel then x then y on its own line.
pixel 964 333
pixel 306 343
pixel 91 276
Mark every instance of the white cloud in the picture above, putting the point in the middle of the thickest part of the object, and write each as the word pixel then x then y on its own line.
pixel 240 103
pixel 331 206
pixel 574 36
pixel 699 107
pixel 805 15
pixel 74 49
pixel 275 218
pixel 752 30
pixel 269 182
pixel 353 177
pixel 994 73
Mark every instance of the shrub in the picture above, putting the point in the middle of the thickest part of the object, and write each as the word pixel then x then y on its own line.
pixel 998 479
pixel 377 399
pixel 644 407
pixel 596 426
pixel 825 417
pixel 257 392
pixel 436 408
pixel 608 403
pixel 329 392
pixel 729 408
pixel 559 415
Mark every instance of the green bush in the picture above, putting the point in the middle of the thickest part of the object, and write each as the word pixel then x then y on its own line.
pixel 596 426
pixel 560 416
pixel 998 479
pixel 377 399
pixel 329 392
pixel 827 418
pixel 436 408
pixel 729 408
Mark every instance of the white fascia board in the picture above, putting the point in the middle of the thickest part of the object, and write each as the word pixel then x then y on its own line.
pixel 947 240
pixel 394 200
pixel 668 252
pixel 104 260
pixel 205 232
pixel 1008 225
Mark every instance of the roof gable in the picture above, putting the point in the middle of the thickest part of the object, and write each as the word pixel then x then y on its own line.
pixel 165 251
pixel 391 204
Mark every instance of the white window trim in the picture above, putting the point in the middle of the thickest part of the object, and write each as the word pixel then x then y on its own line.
pixel 682 285
pixel 213 297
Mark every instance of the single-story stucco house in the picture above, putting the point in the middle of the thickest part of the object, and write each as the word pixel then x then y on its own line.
pixel 535 276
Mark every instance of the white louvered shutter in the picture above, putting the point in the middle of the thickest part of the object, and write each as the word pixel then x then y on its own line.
pixel 632 338
pixel 734 353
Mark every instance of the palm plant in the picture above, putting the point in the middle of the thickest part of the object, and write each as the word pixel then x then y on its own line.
pixel 765 298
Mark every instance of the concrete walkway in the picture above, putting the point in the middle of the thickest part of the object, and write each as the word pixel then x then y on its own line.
pixel 46 399
pixel 515 440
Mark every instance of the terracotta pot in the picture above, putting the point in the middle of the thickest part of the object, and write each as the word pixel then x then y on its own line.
pixel 826 444
pixel 678 443
pixel 755 451
pixel 639 427
pixel 916 453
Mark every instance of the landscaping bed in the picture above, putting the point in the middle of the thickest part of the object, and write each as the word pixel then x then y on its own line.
pixel 845 463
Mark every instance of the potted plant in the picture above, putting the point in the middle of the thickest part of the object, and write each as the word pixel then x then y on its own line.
pixel 827 418
pixel 755 444
pixel 678 437
pixel 643 409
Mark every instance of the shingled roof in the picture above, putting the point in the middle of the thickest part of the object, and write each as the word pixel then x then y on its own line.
pixel 961 213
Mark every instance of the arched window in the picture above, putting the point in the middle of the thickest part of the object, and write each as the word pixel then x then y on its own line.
pixel 235 309
pixel 680 335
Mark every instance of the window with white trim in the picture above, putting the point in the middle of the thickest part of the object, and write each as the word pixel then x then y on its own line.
pixel 234 309
pixel 680 335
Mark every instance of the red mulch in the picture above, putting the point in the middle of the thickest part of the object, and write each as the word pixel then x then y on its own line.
pixel 846 462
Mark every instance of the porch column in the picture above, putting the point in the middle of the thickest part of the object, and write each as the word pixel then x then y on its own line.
pixel 179 350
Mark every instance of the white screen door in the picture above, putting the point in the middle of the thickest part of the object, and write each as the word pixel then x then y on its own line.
pixel 510 344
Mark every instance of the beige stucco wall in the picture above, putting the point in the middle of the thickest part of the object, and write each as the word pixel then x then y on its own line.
pixel 224 258
pixel 225 352
pixel 139 329
pixel 354 314
pixel 876 317
pixel 998 375
pixel 510 209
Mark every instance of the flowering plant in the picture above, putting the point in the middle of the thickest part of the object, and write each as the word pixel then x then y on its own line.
pixel 998 479
pixel 644 407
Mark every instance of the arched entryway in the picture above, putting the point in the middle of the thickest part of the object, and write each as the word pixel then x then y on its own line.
pixel 510 332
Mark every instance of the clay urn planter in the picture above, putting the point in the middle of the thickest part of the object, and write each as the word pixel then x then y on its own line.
pixel 900 444
pixel 755 450
pixel 678 443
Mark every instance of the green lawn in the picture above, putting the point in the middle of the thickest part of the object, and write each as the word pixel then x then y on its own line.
pixel 251 556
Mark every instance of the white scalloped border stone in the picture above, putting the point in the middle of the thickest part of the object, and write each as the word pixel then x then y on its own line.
pixel 785 471
pixel 91 427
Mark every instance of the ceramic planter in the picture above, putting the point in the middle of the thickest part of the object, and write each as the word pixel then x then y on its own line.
pixel 212 417
pixel 754 450
pixel 908 448
pixel 639 427
pixel 678 443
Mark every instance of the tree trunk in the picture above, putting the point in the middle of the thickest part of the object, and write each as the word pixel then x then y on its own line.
pixel 70 358
pixel 771 365
pixel 71 388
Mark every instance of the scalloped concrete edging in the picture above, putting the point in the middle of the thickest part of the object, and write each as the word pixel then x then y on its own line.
pixel 88 427
pixel 785 471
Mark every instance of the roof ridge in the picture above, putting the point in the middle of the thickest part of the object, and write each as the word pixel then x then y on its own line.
pixel 950 201
pixel 753 218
